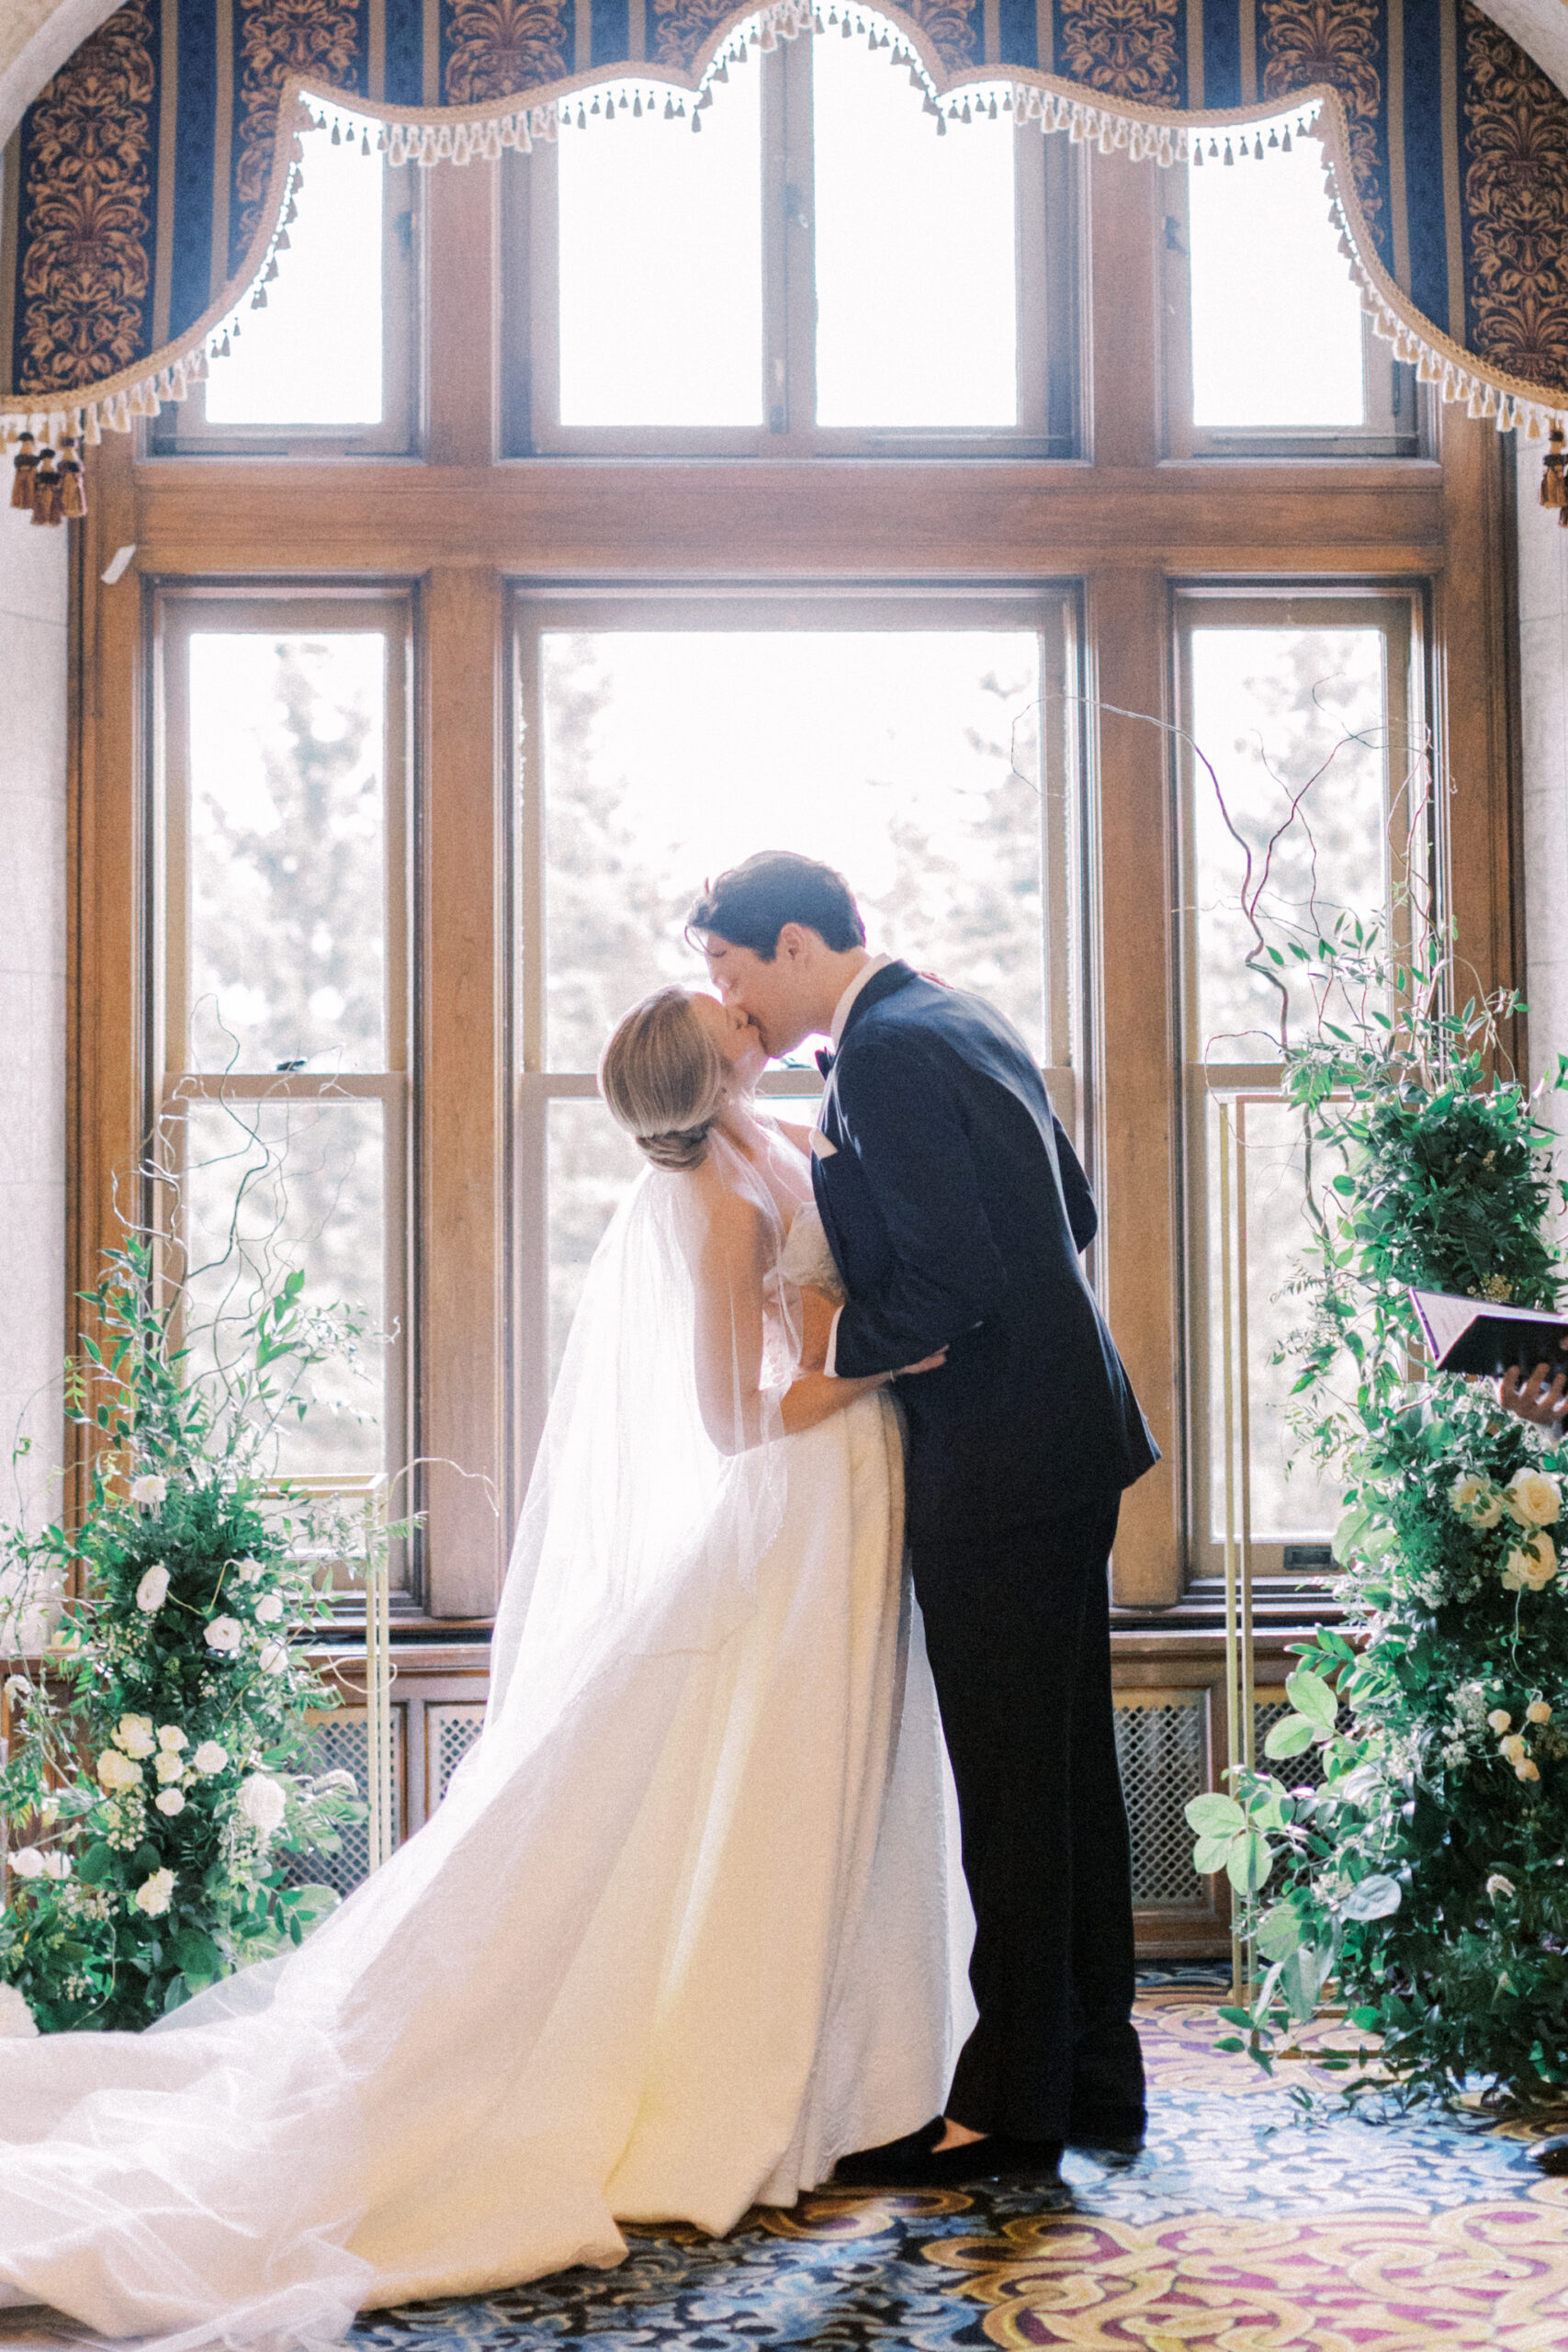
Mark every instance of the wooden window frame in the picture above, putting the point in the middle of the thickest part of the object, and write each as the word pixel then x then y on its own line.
pixel 1048 236
pixel 1398 421
pixel 454 530
pixel 174 614
pixel 181 430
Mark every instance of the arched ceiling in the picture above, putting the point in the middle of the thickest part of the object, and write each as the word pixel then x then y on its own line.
pixel 37 36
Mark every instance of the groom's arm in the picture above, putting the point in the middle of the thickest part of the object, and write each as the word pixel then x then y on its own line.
pixel 1083 1217
pixel 904 1125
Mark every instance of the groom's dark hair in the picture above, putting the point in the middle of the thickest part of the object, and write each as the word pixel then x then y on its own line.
pixel 751 904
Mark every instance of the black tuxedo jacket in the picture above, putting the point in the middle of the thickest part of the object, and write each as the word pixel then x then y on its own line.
pixel 956 1209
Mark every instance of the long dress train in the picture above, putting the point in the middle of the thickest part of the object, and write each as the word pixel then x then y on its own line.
pixel 676 1939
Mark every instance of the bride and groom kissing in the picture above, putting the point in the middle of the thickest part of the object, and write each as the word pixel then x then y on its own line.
pixel 681 1936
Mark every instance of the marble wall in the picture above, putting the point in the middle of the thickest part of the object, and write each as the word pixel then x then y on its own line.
pixel 1543 696
pixel 33 1007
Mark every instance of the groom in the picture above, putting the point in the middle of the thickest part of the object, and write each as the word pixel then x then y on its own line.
pixel 956 1210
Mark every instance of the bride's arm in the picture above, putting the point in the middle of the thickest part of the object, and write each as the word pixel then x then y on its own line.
pixel 731 1263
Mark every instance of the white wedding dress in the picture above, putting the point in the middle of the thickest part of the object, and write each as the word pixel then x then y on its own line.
pixel 676 1938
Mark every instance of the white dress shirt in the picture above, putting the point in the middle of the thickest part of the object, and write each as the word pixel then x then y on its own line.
pixel 836 1030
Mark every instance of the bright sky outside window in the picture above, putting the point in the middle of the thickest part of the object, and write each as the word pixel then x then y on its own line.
pixel 313 355
pixel 1276 317
pixel 662 265
pixel 916 305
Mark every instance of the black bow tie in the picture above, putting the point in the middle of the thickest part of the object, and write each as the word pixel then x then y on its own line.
pixel 825 1060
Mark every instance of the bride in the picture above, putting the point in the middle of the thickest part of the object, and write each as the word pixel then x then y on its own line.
pixel 678 1937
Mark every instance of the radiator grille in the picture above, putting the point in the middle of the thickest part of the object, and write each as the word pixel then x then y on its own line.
pixel 452 1731
pixel 1159 1745
pixel 340 1743
pixel 1302 1771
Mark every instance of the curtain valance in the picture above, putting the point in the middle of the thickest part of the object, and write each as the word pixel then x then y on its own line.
pixel 148 189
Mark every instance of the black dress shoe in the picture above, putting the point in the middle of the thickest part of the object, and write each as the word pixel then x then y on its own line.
pixel 1114 2138
pixel 916 2162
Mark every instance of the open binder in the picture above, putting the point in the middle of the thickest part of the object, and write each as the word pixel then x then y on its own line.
pixel 1474 1335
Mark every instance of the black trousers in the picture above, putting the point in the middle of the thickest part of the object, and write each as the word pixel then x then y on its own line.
pixel 1019 1631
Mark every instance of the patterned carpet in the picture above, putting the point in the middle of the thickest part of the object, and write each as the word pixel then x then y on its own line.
pixel 1240 2230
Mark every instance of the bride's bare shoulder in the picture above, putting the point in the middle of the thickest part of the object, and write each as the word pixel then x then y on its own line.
pixel 733 1218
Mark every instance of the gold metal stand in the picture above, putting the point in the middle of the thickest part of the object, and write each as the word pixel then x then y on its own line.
pixel 1236 1390
pixel 379 1784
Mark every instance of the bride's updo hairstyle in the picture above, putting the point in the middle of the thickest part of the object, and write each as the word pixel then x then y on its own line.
pixel 662 1076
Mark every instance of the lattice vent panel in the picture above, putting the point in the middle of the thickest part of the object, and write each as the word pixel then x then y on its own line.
pixel 451 1730
pixel 1159 1745
pixel 1302 1771
pixel 340 1743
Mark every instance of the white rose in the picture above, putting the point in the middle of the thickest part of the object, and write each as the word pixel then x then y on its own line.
pixel 154 1894
pixel 134 1734
pixel 1527 1770
pixel 1499 1720
pixel 1533 1498
pixel 17 2022
pixel 169 1767
pixel 262 1803
pixel 1498 1887
pixel 56 1864
pixel 224 1635
pixel 26 1862
pixel 1534 1567
pixel 149 1489
pixel 18 1687
pixel 117 1771
pixel 171 1736
pixel 1476 1500
pixel 1513 1748
pixel 269 1609
pixel 153 1590
pixel 247 1571
pixel 272 1656
pixel 210 1758
pixel 1538 1711
pixel 170 1800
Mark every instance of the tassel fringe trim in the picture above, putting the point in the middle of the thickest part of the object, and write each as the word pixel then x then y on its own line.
pixel 483 133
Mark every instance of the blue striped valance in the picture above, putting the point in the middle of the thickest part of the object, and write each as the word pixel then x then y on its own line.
pixel 147 182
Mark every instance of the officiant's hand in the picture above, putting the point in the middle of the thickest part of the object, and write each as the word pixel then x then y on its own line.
pixel 1541 1397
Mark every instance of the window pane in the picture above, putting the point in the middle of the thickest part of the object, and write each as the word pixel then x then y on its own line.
pixel 1275 318
pixel 662 265
pixel 890 753
pixel 287 852
pixel 590 1167
pixel 313 355
pixel 917 302
pixel 1278 713
pixel 1292 1501
pixel 271 1186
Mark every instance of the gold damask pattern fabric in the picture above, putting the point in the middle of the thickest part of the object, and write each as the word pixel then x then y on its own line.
pixel 499 47
pixel 1131 49
pixel 1516 195
pixel 680 27
pixel 278 38
pixel 86 266
pixel 952 27
pixel 1337 42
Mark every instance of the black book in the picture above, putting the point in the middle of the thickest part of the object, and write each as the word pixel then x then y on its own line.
pixel 1473 1335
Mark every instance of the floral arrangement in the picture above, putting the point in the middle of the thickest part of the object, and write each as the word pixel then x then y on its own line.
pixel 157 1783
pixel 1424 1883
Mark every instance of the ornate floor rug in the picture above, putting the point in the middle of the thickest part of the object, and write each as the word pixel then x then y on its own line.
pixel 1241 2230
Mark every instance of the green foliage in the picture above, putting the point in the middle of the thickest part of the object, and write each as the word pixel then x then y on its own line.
pixel 1425 1881
pixel 157 1785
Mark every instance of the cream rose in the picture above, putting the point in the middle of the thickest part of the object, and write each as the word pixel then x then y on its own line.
pixel 269 1609
pixel 1538 1711
pixel 1533 1497
pixel 1499 1720
pixel 262 1803
pixel 116 1771
pixel 1476 1501
pixel 210 1758
pixel 26 1862
pixel 154 1894
pixel 171 1736
pixel 135 1734
pixel 1526 1770
pixel 1533 1566
pixel 224 1635
pixel 1513 1748
pixel 247 1571
pixel 149 1489
pixel 153 1588
pixel 272 1656
pixel 56 1864
pixel 170 1800
pixel 169 1767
